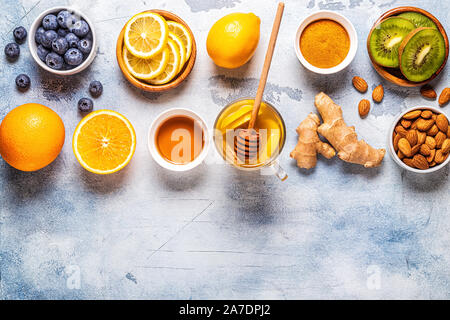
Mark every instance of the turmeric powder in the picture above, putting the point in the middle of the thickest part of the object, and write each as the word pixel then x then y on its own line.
pixel 324 43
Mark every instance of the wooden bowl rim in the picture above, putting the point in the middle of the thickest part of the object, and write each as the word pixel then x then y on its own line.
pixel 178 79
pixel 382 71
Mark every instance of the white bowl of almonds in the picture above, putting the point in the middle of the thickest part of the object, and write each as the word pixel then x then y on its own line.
pixel 419 140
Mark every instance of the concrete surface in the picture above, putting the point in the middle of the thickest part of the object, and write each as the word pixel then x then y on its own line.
pixel 339 231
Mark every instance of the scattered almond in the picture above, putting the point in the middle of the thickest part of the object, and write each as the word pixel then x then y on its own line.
pixel 404 147
pixel 440 138
pixel 412 114
pixel 442 122
pixel 378 94
pixel 364 108
pixel 428 92
pixel 360 84
pixel 420 162
pixel 446 146
pixel 444 97
pixel 412 137
pixel 433 130
pixel 426 114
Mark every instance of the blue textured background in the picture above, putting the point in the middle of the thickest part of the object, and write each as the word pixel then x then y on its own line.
pixel 215 232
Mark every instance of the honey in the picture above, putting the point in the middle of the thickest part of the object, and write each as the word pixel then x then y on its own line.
pixel 180 139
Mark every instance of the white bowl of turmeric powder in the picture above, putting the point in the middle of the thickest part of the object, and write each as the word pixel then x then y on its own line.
pixel 326 42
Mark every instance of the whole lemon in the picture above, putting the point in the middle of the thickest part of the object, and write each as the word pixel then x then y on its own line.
pixel 31 137
pixel 233 39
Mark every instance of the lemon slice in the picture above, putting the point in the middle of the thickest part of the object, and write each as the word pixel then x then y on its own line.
pixel 146 68
pixel 181 32
pixel 146 34
pixel 104 142
pixel 172 66
pixel 182 49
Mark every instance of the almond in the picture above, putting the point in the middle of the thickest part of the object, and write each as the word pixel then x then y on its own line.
pixel 396 138
pixel 378 94
pixel 440 138
pixel 444 98
pixel 400 130
pixel 400 154
pixel 412 137
pixel 425 150
pixel 360 84
pixel 420 162
pixel 428 92
pixel 414 124
pixel 408 162
pixel 448 132
pixel 446 146
pixel 364 108
pixel 415 149
pixel 406 123
pixel 440 156
pixel 433 130
pixel 404 147
pixel 442 122
pixel 429 141
pixel 432 164
pixel 421 136
pixel 426 114
pixel 424 125
pixel 430 158
pixel 412 115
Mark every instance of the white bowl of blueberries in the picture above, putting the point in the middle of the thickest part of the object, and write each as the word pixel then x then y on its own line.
pixel 62 41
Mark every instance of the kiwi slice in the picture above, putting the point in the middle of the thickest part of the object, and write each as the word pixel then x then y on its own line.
pixel 421 54
pixel 385 40
pixel 418 19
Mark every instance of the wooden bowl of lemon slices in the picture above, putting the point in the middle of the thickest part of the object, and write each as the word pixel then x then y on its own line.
pixel 156 50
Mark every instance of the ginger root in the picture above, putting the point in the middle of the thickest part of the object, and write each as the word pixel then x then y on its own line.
pixel 342 137
pixel 309 144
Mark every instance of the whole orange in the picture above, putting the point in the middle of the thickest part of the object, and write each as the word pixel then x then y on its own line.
pixel 31 137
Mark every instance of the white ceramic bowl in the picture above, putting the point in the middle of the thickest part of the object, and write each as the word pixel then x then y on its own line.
pixel 33 46
pixel 391 143
pixel 330 15
pixel 152 139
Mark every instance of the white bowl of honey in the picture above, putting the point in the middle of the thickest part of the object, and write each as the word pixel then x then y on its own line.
pixel 326 42
pixel 178 139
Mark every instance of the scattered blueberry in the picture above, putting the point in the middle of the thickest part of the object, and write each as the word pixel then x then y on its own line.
pixel 54 61
pixel 65 19
pixel 42 52
pixel 62 32
pixel 60 46
pixel 20 34
pixel 12 51
pixel 85 46
pixel 73 57
pixel 48 38
pixel 72 40
pixel 95 88
pixel 39 35
pixel 85 105
pixel 23 81
pixel 49 22
pixel 80 28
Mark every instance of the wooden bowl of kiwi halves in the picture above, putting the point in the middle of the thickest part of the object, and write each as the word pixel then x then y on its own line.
pixel 394 75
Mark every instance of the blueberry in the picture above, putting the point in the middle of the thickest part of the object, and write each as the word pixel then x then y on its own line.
pixel 12 51
pixel 23 81
pixel 65 19
pixel 80 28
pixel 42 52
pixel 72 40
pixel 62 32
pixel 60 46
pixel 49 22
pixel 39 35
pixel 85 105
pixel 20 34
pixel 48 38
pixel 96 88
pixel 85 46
pixel 89 36
pixel 54 61
pixel 73 57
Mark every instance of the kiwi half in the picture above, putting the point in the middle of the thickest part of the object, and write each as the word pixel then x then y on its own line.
pixel 385 40
pixel 421 54
pixel 418 19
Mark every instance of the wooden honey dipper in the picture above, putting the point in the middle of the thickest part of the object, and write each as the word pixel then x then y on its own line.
pixel 247 141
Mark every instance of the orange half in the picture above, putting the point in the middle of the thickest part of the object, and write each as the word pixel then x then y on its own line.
pixel 104 142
